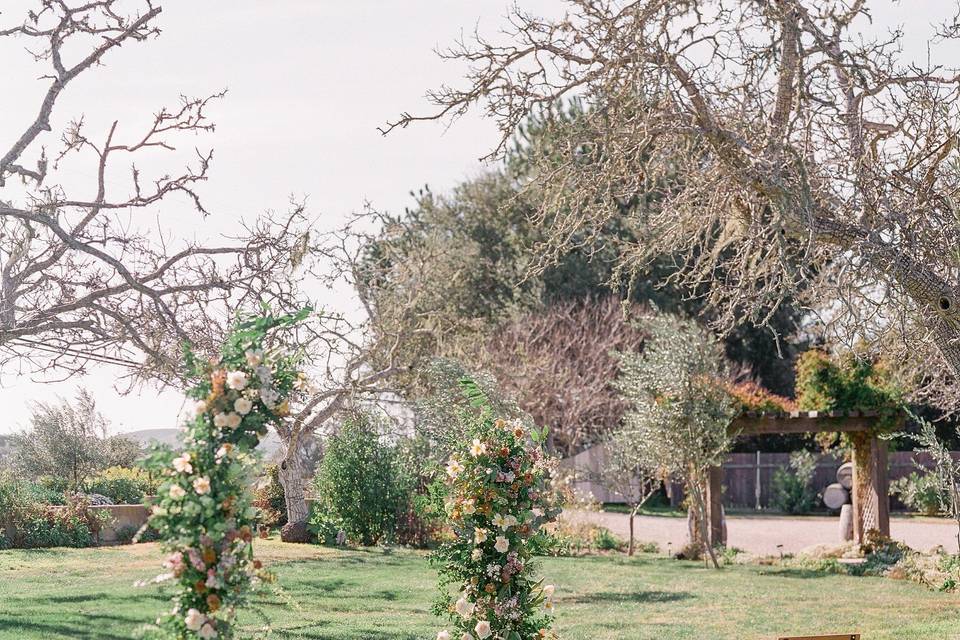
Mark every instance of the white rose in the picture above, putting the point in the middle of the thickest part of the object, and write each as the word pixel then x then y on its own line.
pixel 502 545
pixel 220 420
pixel 482 629
pixel 201 485
pixel 182 464
pixel 480 536
pixel 199 408
pixel 242 406
pixel 548 591
pixel 464 607
pixel 510 521
pixel 233 420
pixel 477 554
pixel 194 620
pixel 466 636
pixel 237 380
pixel 253 357
pixel 177 492
pixel 207 632
pixel 443 635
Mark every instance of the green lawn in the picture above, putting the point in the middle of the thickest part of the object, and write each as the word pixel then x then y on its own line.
pixel 370 595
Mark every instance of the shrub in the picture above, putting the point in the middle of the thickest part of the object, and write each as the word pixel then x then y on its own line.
pixel 270 500
pixel 606 540
pixel 125 533
pixel 72 525
pixel 919 492
pixel 123 485
pixel 361 481
pixel 326 528
pixel 792 490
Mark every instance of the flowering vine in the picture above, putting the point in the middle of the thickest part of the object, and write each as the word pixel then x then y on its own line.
pixel 203 512
pixel 498 498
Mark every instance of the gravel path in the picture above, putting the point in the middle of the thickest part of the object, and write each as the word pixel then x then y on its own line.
pixel 761 534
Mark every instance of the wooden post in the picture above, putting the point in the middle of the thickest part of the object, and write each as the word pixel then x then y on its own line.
pixel 715 507
pixel 881 483
pixel 871 483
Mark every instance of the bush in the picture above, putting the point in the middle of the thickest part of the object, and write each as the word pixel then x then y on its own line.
pixel 73 525
pixel 270 499
pixel 326 528
pixel 361 482
pixel 123 485
pixel 606 540
pixel 919 492
pixel 792 490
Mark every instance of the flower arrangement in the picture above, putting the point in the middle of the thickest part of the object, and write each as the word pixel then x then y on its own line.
pixel 498 498
pixel 203 511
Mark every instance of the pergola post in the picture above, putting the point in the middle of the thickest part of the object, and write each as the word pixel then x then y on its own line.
pixel 718 532
pixel 871 484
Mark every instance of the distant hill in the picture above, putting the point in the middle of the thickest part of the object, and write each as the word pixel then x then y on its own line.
pixel 269 446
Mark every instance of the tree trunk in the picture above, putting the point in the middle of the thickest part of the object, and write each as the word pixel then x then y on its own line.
pixel 291 477
pixel 703 522
pixel 633 512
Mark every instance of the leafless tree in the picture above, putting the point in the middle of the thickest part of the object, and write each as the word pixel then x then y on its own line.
pixel 83 278
pixel 624 473
pixel 791 145
pixel 357 358
pixel 559 365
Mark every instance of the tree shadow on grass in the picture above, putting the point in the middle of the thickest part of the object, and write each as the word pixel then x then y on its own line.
pixel 640 597
pixel 787 572
pixel 87 627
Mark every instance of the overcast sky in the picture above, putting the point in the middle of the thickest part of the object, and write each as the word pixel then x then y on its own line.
pixel 309 82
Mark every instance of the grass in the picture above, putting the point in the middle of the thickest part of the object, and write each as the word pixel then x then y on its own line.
pixel 371 595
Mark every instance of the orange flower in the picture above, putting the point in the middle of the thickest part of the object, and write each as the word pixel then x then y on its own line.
pixel 257 565
pixel 209 555
pixel 199 587
pixel 213 602
pixel 490 588
pixel 245 534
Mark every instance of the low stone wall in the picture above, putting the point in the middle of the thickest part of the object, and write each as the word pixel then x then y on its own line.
pixel 120 516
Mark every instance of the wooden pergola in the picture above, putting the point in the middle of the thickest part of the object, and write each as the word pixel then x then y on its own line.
pixel 871 504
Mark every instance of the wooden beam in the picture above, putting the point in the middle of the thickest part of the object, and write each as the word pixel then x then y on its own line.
pixel 769 425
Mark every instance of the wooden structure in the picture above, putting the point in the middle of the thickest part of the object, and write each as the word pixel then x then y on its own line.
pixel 871 503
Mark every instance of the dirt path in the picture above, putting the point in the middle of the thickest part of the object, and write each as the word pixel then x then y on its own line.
pixel 761 534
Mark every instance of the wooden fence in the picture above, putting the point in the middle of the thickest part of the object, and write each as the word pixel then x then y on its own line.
pixel 747 477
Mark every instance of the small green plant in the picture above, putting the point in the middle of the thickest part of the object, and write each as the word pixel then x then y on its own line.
pixel 606 540
pixel 792 489
pixel 920 492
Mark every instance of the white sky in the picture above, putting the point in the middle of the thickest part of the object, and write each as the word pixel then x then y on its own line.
pixel 309 81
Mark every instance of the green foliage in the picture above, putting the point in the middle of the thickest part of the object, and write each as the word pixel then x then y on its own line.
pixel 203 512
pixel 606 540
pixel 68 440
pixel 792 491
pixel 326 527
pixel 846 383
pixel 123 485
pixel 920 492
pixel 679 408
pixel 361 481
